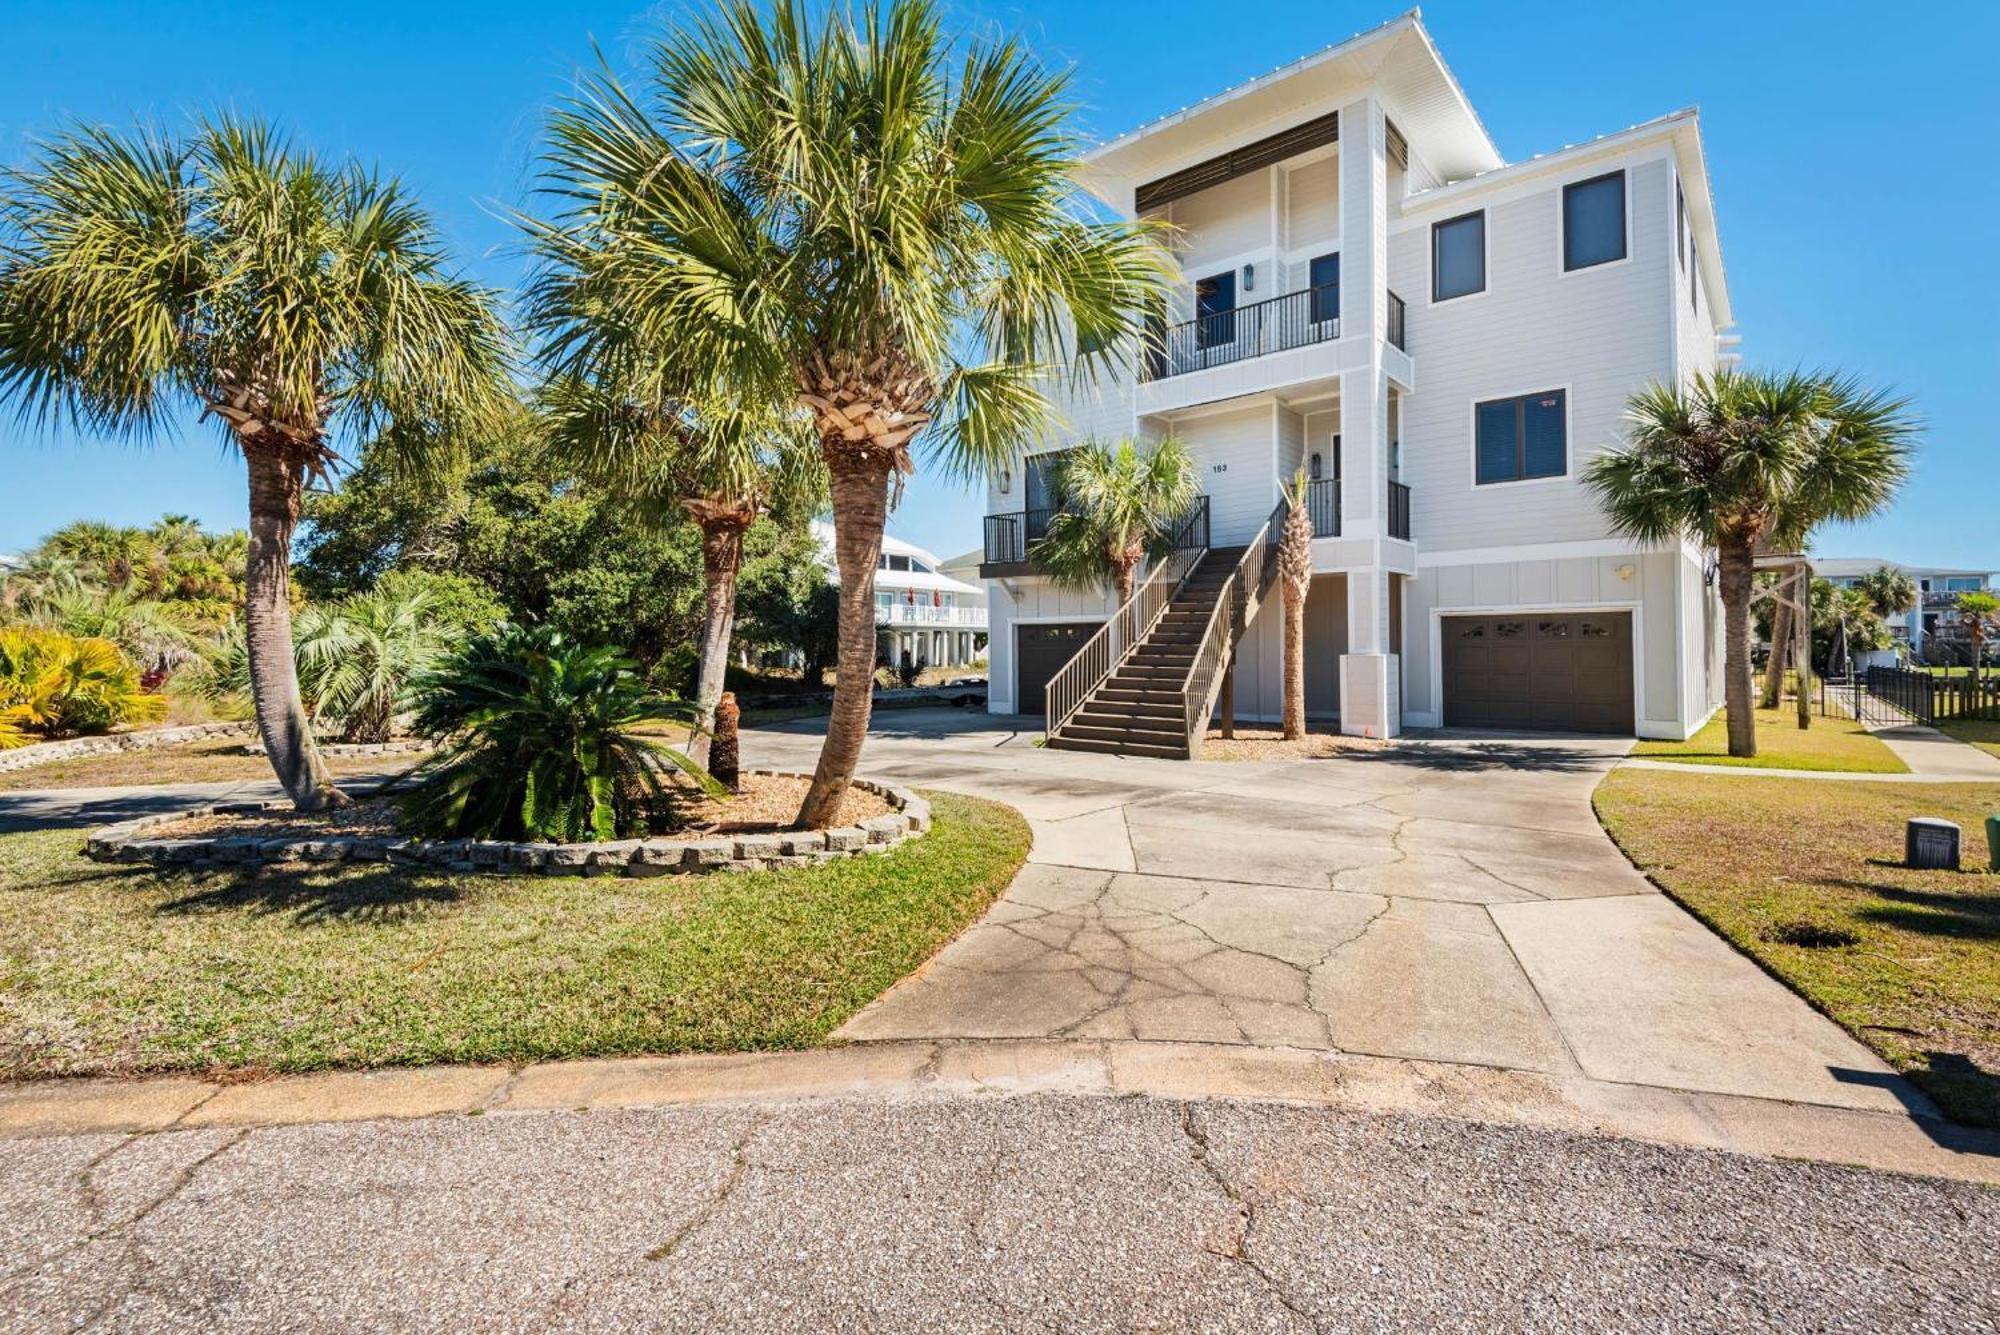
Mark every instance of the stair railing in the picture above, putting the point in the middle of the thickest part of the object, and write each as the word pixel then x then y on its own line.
pixel 1102 654
pixel 1242 593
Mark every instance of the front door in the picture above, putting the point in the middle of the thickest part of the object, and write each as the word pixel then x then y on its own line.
pixel 1215 310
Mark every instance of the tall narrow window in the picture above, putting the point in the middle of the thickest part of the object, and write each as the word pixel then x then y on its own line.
pixel 1520 438
pixel 1458 257
pixel 1594 221
pixel 1680 226
pixel 1324 279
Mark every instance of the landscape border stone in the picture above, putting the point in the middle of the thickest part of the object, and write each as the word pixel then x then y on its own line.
pixel 111 743
pixel 128 842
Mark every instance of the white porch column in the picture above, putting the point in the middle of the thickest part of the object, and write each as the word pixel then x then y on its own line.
pixel 1370 675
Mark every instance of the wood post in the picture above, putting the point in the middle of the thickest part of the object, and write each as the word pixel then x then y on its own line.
pixel 1229 696
pixel 1803 618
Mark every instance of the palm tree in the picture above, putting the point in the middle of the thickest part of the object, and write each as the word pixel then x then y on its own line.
pixel 288 299
pixel 1978 616
pixel 1116 505
pixel 1737 458
pixel 1295 568
pixel 857 214
pixel 721 468
pixel 1888 590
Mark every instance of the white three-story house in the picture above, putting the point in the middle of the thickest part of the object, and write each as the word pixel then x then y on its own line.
pixel 1439 339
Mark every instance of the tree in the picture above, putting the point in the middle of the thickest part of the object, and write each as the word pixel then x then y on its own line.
pixel 290 300
pixel 717 467
pixel 790 606
pixel 1888 590
pixel 512 534
pixel 1295 568
pixel 1116 505
pixel 854 213
pixel 1978 615
pixel 1737 458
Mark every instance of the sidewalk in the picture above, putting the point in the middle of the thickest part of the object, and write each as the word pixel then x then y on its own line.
pixel 893 1073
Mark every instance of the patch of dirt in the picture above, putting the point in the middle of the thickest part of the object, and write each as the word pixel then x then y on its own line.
pixel 766 804
pixel 1322 741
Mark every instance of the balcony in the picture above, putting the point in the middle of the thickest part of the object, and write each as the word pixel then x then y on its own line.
pixel 923 614
pixel 1323 504
pixel 1398 318
pixel 1278 325
pixel 1011 538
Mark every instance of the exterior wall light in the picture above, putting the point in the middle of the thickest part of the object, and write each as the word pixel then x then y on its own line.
pixel 1249 278
pixel 1626 571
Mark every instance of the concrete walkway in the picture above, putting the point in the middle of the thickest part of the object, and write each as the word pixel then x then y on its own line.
pixel 74 808
pixel 1452 899
pixel 1936 755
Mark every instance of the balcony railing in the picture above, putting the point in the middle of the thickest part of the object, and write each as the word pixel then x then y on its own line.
pixel 1323 504
pixel 1011 538
pixel 923 614
pixel 1278 325
pixel 1399 511
pixel 1397 315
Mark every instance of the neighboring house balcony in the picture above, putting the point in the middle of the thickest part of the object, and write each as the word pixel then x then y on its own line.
pixel 923 614
pixel 1938 600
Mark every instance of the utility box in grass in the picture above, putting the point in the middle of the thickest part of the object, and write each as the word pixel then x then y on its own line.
pixel 1993 841
pixel 1930 844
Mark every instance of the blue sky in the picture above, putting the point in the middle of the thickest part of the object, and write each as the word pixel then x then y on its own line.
pixel 1848 143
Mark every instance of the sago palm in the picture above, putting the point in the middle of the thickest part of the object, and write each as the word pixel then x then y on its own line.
pixel 59 685
pixel 1295 568
pixel 1736 459
pixel 1117 504
pixel 854 213
pixel 292 301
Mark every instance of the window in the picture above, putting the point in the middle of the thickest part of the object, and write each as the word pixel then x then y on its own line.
pixel 1325 282
pixel 899 563
pixel 1521 438
pixel 1458 257
pixel 1594 221
pixel 1215 310
pixel 1694 278
pixel 1962 584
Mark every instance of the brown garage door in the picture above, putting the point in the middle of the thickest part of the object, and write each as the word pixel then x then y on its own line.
pixel 1040 652
pixel 1539 670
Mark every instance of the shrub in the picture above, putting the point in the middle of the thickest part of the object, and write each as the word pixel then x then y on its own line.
pixel 540 741
pixel 56 685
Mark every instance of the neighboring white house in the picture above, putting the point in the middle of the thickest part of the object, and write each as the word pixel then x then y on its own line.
pixel 1440 339
pixel 923 612
pixel 1930 619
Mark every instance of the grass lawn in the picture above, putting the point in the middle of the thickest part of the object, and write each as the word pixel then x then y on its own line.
pixel 1803 877
pixel 1982 733
pixel 1830 744
pixel 210 760
pixel 113 970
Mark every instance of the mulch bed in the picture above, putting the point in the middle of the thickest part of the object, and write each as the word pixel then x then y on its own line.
pixel 1322 741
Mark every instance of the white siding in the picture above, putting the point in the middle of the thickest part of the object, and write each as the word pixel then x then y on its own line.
pixel 1600 333
pixel 1312 204
pixel 1235 464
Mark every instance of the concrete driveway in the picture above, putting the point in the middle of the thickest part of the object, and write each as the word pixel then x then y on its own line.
pixel 1451 898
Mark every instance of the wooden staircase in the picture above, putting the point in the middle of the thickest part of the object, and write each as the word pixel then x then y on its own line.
pixel 1141 709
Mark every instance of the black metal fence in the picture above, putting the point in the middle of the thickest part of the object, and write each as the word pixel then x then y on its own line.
pixel 1222 337
pixel 1927 697
pixel 1398 317
pixel 1009 536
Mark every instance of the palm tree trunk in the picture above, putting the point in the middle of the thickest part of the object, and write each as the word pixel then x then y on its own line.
pixel 860 492
pixel 1295 665
pixel 276 485
pixel 1738 563
pixel 721 562
pixel 1123 577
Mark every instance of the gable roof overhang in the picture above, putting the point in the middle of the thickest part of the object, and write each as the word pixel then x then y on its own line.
pixel 1397 61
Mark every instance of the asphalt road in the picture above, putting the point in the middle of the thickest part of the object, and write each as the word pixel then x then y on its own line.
pixel 974 1214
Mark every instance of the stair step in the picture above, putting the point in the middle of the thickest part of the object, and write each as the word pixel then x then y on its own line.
pixel 1096 732
pixel 1171 708
pixel 1127 697
pixel 1062 743
pixel 1094 715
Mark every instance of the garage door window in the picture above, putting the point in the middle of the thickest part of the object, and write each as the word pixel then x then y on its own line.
pixel 1521 438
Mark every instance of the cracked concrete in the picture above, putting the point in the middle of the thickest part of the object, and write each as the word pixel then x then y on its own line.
pixel 1450 899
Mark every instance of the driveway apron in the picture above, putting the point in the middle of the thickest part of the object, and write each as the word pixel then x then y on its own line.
pixel 1450 898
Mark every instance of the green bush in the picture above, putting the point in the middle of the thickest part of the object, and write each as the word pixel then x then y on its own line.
pixel 540 741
